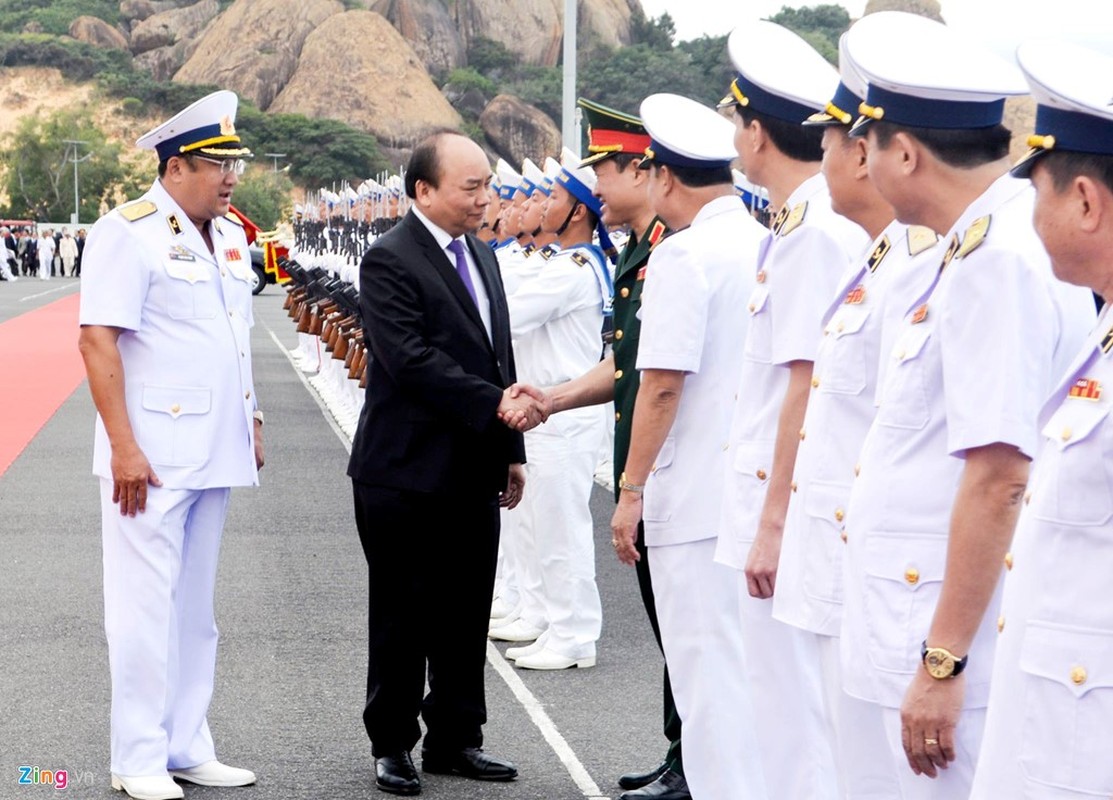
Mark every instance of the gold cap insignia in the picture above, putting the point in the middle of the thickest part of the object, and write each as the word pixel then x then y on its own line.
pixel 227 127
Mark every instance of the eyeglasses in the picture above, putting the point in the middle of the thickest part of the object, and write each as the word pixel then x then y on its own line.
pixel 236 165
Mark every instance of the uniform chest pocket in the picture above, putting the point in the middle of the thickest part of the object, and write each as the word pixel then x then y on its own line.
pixel 190 292
pixel 1078 477
pixel 904 403
pixel 759 337
pixel 846 372
pixel 1066 736
pixel 176 426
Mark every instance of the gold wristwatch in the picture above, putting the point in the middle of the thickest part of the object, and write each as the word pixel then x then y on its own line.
pixel 626 486
pixel 941 663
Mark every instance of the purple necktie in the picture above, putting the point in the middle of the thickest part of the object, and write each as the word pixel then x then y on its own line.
pixel 457 248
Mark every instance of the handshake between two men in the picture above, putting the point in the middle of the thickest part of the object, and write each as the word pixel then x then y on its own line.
pixel 524 407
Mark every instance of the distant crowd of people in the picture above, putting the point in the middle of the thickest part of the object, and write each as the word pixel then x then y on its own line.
pixel 45 254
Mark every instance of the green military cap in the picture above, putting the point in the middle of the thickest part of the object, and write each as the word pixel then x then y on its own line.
pixel 610 132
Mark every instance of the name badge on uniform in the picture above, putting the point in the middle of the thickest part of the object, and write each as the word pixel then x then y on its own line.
pixel 1085 389
pixel 856 296
pixel 641 274
pixel 180 253
pixel 232 254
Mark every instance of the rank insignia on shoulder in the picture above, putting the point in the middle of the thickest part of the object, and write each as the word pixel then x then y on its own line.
pixel 879 253
pixel 920 314
pixel 547 252
pixel 579 259
pixel 233 219
pixel 179 253
pixel 528 250
pixel 779 220
pixel 920 238
pixel 657 233
pixel 641 274
pixel 856 296
pixel 1107 342
pixel 1085 389
pixel 232 254
pixel 795 217
pixel 952 248
pixel 974 236
pixel 137 209
pixel 175 226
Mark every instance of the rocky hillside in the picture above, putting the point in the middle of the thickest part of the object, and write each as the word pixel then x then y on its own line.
pixel 372 67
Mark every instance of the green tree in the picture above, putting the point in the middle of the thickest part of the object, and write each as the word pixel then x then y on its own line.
pixel 54 16
pixel 38 177
pixel 657 33
pixel 925 8
pixel 264 196
pixel 820 25
pixel 629 74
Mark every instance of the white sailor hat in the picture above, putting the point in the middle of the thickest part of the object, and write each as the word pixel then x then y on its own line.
pixel 779 73
pixel 579 181
pixel 842 109
pixel 1073 90
pixel 207 127
pixel 684 133
pixel 923 74
pixel 509 179
pixel 552 169
pixel 532 177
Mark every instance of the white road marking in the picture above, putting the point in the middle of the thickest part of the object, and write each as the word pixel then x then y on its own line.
pixel 533 707
pixel 48 291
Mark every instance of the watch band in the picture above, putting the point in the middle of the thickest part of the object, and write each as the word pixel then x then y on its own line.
pixel 626 486
pixel 941 663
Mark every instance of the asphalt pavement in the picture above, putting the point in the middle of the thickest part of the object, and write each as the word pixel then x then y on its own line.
pixel 291 607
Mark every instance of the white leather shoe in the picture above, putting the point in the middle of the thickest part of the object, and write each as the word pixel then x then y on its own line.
pixel 213 773
pixel 514 653
pixel 500 608
pixel 148 787
pixel 517 631
pixel 547 659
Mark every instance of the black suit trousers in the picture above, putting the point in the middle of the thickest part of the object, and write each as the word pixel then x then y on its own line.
pixel 431 565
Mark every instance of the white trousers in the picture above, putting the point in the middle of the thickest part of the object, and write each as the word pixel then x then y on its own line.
pixel 506 574
pixel 556 516
pixel 159 578
pixel 697 608
pixel 790 701
pixel 877 768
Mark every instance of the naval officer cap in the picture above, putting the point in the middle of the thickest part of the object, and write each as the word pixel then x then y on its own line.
pixel 610 132
pixel 208 127
pixel 1073 90
pixel 509 179
pixel 923 74
pixel 842 109
pixel 684 133
pixel 779 74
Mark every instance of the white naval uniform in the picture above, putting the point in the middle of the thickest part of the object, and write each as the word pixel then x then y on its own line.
pixel 185 315
pixel 46 256
pixel 870 300
pixel 697 281
pixel 971 367
pixel 807 255
pixel 1049 727
pixel 556 319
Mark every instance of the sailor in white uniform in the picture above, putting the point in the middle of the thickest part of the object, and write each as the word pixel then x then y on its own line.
pixel 166 319
pixel 781 81
pixel 945 462
pixel 1049 727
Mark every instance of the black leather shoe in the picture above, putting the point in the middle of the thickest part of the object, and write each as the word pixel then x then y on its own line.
pixel 471 762
pixel 636 780
pixel 395 773
pixel 670 786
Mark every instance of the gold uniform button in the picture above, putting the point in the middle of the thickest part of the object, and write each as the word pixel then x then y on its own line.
pixel 618 334
pixel 840 515
pixel 815 383
pixel 761 475
pixel 912 576
pixel 618 374
pixel 1000 624
pixel 1067 433
pixel 617 416
pixel 793 486
pixel 1078 676
pixel 174 409
pixel 857 470
pixel 1027 498
pixel 843 536
pixel 841 327
pixel 247 396
pixel 803 433
pixel 726 447
pixel 901 355
pixel 1008 560
pixel 752 308
pixel 625 292
pixel 223 274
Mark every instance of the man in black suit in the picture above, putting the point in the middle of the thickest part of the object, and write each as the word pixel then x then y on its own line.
pixel 431 464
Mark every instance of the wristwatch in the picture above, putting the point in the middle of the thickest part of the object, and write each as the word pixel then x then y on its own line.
pixel 626 486
pixel 941 663
pixel 258 417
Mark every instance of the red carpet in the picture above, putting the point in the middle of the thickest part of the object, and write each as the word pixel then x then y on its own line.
pixel 39 368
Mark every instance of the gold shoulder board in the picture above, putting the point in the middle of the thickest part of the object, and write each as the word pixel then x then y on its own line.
pixel 920 238
pixel 137 209
pixel 974 236
pixel 233 219
pixel 579 259
pixel 795 217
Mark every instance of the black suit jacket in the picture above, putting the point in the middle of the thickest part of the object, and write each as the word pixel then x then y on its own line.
pixel 435 380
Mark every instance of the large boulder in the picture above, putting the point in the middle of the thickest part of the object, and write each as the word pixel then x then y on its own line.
pixel 253 47
pixel 430 29
pixel 375 81
pixel 175 25
pixel 97 32
pixel 517 131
